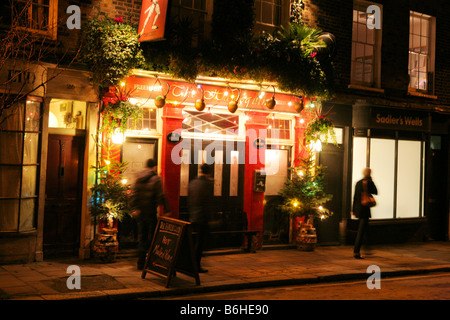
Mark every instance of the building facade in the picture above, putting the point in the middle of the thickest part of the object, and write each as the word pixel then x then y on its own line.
pixel 391 112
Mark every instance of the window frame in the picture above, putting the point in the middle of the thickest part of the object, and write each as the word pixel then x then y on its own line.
pixel 274 5
pixel 431 48
pixel 396 136
pixel 377 35
pixel 52 26
pixel 22 165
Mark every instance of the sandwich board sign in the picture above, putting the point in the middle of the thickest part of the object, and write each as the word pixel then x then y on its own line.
pixel 171 251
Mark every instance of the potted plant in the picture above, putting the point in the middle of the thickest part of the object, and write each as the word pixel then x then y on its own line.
pixel 303 196
pixel 109 204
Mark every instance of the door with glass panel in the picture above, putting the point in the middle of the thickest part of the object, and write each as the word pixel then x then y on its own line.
pixel 227 163
pixel 63 194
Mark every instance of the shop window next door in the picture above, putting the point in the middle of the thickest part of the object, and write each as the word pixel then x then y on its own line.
pixel 63 194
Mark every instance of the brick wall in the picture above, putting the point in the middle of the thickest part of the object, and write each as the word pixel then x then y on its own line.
pixel 336 17
pixel 91 8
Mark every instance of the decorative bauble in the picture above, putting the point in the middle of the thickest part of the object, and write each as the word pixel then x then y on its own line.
pixel 298 106
pixel 200 104
pixel 160 101
pixel 270 103
pixel 232 106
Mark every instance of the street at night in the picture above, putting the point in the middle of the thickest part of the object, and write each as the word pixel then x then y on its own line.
pixel 224 150
pixel 423 287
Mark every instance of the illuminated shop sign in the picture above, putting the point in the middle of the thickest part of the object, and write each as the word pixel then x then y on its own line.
pixel 189 93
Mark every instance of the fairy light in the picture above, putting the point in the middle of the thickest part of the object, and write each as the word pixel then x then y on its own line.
pixel 124 181
pixel 302 121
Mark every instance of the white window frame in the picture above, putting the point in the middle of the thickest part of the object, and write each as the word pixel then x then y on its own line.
pixel 258 7
pixel 430 56
pixel 375 81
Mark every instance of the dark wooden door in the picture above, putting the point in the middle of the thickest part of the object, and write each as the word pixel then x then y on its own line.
pixel 437 208
pixel 229 193
pixel 332 158
pixel 63 194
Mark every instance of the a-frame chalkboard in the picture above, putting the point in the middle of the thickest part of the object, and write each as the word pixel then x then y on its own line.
pixel 171 250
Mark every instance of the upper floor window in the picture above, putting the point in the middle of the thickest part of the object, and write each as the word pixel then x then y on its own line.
pixel 189 18
pixel 39 16
pixel 421 51
pixel 366 48
pixel 268 12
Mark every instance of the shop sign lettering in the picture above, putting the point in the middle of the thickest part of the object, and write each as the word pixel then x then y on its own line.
pixel 402 120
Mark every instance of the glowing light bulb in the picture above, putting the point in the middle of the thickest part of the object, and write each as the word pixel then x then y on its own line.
pixel 124 181
pixel 122 84
pixel 107 162
pixel 295 204
pixel 320 208
pixel 225 93
pixel 302 121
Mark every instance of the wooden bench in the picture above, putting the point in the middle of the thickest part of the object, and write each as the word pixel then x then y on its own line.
pixel 234 224
pixel 249 235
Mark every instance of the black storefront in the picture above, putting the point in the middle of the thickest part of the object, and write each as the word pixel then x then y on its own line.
pixel 408 151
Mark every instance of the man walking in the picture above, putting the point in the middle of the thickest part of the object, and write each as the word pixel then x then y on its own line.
pixel 148 195
pixel 362 211
pixel 201 194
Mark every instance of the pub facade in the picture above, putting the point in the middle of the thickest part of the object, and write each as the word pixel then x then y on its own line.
pixel 391 113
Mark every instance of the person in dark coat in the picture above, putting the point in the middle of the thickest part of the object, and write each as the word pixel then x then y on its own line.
pixel 201 195
pixel 360 211
pixel 148 195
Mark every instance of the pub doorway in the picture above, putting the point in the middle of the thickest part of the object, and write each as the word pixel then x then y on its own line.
pixel 136 152
pixel 227 160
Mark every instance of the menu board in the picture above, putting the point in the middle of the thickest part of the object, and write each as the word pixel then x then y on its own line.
pixel 171 250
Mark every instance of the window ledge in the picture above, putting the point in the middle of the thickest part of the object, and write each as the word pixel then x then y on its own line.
pixel 359 87
pixel 420 94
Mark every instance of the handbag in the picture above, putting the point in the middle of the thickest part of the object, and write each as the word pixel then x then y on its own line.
pixel 367 199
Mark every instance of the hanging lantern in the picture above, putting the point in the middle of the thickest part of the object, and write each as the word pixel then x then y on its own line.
pixel 270 103
pixel 299 105
pixel 200 104
pixel 233 104
pixel 160 101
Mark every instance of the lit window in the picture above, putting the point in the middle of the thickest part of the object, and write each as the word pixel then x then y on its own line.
pixel 421 51
pixel 39 16
pixel 268 12
pixel 278 128
pixel 366 49
pixel 20 134
pixel 210 123
pixel 146 123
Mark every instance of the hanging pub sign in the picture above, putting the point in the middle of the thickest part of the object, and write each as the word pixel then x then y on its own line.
pixel 152 23
pixel 171 251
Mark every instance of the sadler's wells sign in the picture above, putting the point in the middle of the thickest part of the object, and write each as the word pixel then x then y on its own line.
pixel 398 119
pixel 402 120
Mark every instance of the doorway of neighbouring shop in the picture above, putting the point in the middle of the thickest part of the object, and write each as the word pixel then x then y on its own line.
pixel 62 215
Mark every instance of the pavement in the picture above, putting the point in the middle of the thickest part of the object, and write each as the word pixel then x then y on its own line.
pixel 227 270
